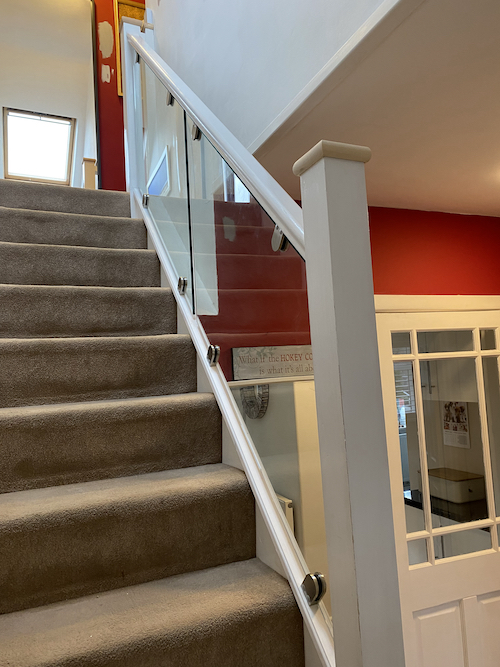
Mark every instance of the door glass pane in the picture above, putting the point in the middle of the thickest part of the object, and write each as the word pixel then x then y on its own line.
pixel 408 445
pixel 487 339
pixel 453 439
pixel 444 341
pixel 401 342
pixel 465 542
pixel 417 552
pixel 492 393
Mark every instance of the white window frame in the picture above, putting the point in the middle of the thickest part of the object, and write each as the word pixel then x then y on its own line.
pixel 69 166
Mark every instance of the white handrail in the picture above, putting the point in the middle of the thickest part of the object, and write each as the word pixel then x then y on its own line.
pixel 282 209
pixel 316 618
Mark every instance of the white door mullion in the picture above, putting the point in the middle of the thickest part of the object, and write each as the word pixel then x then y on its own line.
pixel 426 496
pixel 488 475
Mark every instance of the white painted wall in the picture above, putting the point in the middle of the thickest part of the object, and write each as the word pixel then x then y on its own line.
pixel 247 60
pixel 46 66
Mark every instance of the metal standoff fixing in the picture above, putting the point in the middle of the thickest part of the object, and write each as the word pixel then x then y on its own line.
pixel 145 200
pixel 137 58
pixel 314 587
pixel 170 99
pixel 195 133
pixel 182 285
pixel 213 354
pixel 279 241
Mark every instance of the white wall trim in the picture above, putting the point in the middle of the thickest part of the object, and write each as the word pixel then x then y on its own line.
pixel 411 303
pixel 384 20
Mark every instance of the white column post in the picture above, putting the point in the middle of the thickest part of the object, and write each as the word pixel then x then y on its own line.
pixel 89 173
pixel 130 117
pixel 358 512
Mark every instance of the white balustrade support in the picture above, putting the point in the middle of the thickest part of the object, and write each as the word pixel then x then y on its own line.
pixel 89 169
pixel 358 510
pixel 133 178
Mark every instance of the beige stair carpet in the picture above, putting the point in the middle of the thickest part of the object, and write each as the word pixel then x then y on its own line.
pixel 124 541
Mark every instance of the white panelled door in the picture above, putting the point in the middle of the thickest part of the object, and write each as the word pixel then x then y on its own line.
pixel 440 379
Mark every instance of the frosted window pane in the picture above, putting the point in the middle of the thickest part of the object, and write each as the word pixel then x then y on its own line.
pixel 38 147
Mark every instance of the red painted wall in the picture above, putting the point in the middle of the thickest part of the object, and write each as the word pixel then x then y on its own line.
pixel 421 252
pixel 110 110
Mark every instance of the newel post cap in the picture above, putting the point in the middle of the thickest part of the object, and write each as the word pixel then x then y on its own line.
pixel 331 149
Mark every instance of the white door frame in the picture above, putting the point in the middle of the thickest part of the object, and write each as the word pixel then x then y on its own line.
pixel 429 610
pixel 411 303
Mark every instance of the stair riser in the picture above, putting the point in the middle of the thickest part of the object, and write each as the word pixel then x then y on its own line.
pixel 25 226
pixel 111 544
pixel 42 371
pixel 66 444
pixel 39 197
pixel 25 264
pixel 39 311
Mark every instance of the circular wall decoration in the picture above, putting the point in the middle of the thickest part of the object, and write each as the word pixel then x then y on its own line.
pixel 255 399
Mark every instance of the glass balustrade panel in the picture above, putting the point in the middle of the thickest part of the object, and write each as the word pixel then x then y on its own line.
pixel 138 139
pixel 251 298
pixel 164 151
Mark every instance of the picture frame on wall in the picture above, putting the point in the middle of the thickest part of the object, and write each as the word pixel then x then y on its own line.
pixel 131 9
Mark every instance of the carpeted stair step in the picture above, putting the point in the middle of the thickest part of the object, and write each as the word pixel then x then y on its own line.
pixel 31 311
pixel 42 197
pixel 80 539
pixel 50 445
pixel 19 225
pixel 237 615
pixel 62 370
pixel 36 264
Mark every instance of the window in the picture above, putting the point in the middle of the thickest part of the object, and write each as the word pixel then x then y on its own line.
pixel 38 147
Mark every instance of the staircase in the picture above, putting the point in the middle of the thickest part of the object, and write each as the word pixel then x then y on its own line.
pixel 124 541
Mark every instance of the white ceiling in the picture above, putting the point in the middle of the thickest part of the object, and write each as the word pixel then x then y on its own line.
pixel 427 102
pixel 48 26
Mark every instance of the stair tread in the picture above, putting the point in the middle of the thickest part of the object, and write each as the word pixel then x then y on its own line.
pixel 18 225
pixel 58 502
pixel 164 622
pixel 49 197
pixel 47 445
pixel 43 264
pixel 84 250
pixel 74 310
pixel 29 411
pixel 63 370
pixel 79 539
pixel 98 342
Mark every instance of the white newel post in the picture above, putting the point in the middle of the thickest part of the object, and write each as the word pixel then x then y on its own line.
pixel 359 525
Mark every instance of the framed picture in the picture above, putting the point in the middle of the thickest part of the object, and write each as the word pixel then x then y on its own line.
pixel 134 10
